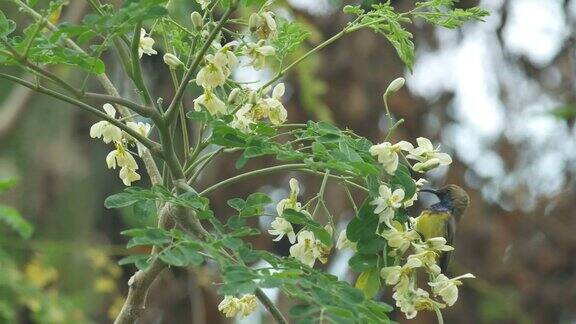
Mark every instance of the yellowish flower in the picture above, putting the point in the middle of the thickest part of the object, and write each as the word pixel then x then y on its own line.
pixel 108 131
pixel 142 129
pixel 211 102
pixel 39 274
pixel 448 288
pixel 104 285
pixel 230 306
pixel 248 304
pixel 258 53
pixel 427 156
pixel 282 227
pixel 387 154
pixel 387 203
pixel 213 74
pixel 146 44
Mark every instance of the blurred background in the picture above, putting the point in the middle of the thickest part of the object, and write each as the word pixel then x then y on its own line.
pixel 500 96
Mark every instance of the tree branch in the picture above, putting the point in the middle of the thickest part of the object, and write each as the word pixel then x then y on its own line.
pixel 151 166
pixel 141 110
pixel 151 145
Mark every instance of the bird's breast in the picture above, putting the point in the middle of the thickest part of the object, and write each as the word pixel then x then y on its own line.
pixel 432 224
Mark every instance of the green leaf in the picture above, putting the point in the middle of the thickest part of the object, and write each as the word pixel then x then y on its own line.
pixel 363 262
pixel 141 261
pixel 147 236
pixel 255 204
pixel 403 179
pixel 7 184
pixel 237 203
pixel 349 154
pixel 7 26
pixel 369 282
pixel 145 209
pixel 181 255
pixel 296 217
pixel 290 35
pixel 372 244
pixel 120 200
pixel 199 116
pixel 364 225
pixel 13 218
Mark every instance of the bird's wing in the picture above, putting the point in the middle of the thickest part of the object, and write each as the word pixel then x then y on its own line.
pixel 450 233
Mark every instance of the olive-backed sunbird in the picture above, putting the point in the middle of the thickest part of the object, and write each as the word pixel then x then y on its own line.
pixel 440 219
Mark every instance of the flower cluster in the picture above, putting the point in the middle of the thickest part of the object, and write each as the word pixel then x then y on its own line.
pixel 221 60
pixel 426 156
pixel 306 247
pixel 424 256
pixel 260 108
pixel 121 157
pixel 408 247
pixel 244 306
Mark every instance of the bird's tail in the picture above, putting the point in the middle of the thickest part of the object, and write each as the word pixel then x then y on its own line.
pixel 444 261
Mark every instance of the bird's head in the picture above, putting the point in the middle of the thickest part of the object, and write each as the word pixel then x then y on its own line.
pixel 452 197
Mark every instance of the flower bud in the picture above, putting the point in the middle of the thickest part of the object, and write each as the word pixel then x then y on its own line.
pixel 394 86
pixel 197 20
pixel 349 9
pixel 233 95
pixel 172 60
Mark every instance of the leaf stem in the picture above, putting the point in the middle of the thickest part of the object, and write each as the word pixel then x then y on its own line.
pixel 172 110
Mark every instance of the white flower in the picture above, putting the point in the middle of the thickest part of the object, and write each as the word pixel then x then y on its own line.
pixel 448 288
pixel 172 60
pixel 428 260
pixel 258 53
pixel 437 244
pixel 230 306
pixel 276 111
pixel 213 74
pixel 411 301
pixel 344 243
pixel 248 304
pixel 399 275
pixel 128 175
pixel 105 129
pixel 211 102
pixel 387 203
pixel 307 250
pixel 242 120
pixel 282 227
pixel 225 55
pixel 142 129
pixel 404 301
pixel 400 240
pixel 422 301
pixel 204 3
pixel 263 24
pixel 122 158
pixel 292 200
pixel 427 156
pixel 388 154
pixel 146 44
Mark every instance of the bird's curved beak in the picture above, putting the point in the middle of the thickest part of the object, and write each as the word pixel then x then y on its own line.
pixel 432 191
